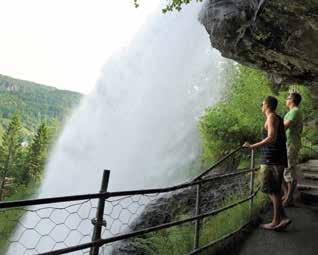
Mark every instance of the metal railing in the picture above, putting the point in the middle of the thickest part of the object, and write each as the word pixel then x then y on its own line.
pixel 118 214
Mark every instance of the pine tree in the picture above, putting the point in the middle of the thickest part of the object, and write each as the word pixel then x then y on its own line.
pixel 9 150
pixel 36 156
pixel 54 129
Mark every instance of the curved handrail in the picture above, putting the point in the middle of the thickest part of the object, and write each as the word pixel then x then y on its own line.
pixel 197 217
pixel 218 163
pixel 105 195
pixel 108 240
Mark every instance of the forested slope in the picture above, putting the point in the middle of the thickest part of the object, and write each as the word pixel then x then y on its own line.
pixel 34 102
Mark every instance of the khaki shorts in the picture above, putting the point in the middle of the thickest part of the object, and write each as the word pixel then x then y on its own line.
pixel 290 171
pixel 271 177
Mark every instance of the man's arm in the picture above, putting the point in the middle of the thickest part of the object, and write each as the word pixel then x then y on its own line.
pixel 272 126
pixel 288 123
pixel 290 118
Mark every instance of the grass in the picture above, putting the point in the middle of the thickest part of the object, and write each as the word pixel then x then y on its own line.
pixel 173 241
pixel 218 226
pixel 9 217
pixel 308 152
pixel 179 240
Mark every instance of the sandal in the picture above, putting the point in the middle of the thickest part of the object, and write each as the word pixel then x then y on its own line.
pixel 268 226
pixel 283 224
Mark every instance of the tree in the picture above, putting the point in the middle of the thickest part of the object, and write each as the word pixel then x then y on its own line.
pixel 9 149
pixel 36 156
pixel 54 129
pixel 174 5
pixel 238 117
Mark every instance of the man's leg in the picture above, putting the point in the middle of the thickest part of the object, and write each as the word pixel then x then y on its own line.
pixel 291 186
pixel 274 177
pixel 270 180
pixel 277 210
pixel 290 175
pixel 285 189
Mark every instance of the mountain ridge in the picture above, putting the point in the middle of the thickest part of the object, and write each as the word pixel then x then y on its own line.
pixel 34 102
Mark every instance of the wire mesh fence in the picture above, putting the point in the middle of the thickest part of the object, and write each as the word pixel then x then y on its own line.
pixel 131 222
pixel 39 229
pixel 181 204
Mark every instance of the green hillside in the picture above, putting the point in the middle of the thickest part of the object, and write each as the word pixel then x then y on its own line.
pixel 34 103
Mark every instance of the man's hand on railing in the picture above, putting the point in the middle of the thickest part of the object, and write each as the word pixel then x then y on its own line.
pixel 246 145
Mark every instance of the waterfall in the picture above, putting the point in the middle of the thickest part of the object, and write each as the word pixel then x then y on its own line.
pixel 141 120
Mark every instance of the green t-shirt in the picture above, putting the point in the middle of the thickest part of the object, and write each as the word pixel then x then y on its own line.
pixel 293 133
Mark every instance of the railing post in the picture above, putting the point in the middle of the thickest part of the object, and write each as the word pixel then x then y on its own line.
pixel 98 222
pixel 197 222
pixel 252 182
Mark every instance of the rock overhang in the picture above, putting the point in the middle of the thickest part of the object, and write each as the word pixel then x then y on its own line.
pixel 277 36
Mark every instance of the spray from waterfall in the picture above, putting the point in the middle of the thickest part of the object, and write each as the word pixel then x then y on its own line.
pixel 141 120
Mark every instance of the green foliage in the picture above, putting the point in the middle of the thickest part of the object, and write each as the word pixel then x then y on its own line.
pixel 36 156
pixel 173 241
pixel 179 240
pixel 30 116
pixel 9 218
pixel 25 163
pixel 309 149
pixel 37 111
pixel 9 150
pixel 218 226
pixel 173 5
pixel 238 117
pixel 34 102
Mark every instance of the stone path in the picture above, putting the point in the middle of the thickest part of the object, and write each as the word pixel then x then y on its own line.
pixel 301 237
pixel 308 181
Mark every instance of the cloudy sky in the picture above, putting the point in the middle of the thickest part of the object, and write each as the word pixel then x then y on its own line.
pixel 64 43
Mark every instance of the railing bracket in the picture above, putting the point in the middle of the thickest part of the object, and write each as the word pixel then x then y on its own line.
pixel 95 223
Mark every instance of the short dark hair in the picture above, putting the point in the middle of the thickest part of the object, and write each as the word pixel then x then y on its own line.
pixel 295 97
pixel 271 102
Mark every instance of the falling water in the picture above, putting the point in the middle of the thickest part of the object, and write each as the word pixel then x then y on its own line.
pixel 141 120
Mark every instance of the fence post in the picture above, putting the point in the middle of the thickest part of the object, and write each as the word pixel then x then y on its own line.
pixel 197 222
pixel 252 182
pixel 98 222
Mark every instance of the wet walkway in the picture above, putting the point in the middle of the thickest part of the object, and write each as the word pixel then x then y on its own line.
pixel 300 238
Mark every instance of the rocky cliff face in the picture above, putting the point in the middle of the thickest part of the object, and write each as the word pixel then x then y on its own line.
pixel 278 36
pixel 7 86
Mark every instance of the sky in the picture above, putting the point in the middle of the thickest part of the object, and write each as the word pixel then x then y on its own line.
pixel 64 43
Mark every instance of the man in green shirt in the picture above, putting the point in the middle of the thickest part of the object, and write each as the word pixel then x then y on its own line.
pixel 293 122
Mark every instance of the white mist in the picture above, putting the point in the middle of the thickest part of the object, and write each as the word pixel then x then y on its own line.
pixel 141 120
